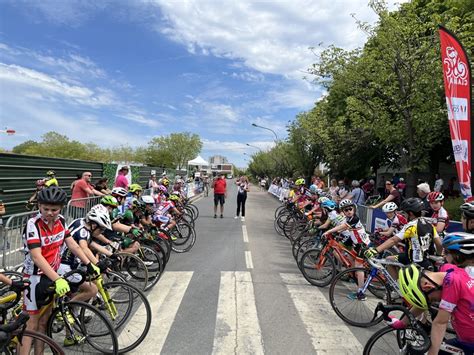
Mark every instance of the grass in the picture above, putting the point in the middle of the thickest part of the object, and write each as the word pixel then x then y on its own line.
pixel 452 206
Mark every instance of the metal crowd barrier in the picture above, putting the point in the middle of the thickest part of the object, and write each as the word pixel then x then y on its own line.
pixel 79 207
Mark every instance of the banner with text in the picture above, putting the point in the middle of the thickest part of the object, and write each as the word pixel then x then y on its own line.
pixel 457 87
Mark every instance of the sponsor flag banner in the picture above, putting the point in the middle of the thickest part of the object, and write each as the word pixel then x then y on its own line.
pixel 457 87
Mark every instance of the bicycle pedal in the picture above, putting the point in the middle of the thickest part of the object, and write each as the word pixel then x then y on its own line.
pixel 70 341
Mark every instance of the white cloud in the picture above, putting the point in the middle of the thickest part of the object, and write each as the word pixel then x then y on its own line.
pixel 140 118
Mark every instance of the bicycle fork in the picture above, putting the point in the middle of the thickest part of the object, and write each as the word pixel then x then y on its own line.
pixel 109 304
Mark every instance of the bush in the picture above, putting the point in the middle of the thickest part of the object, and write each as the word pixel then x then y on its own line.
pixel 452 206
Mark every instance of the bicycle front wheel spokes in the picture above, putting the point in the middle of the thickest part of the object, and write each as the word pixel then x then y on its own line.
pixel 318 269
pixel 357 308
pixel 91 332
pixel 134 270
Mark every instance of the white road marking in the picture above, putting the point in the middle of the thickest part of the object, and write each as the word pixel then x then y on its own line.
pixel 165 299
pixel 248 259
pixel 237 328
pixel 328 333
pixel 245 234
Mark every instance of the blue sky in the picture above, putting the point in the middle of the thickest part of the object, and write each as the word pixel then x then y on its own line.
pixel 122 72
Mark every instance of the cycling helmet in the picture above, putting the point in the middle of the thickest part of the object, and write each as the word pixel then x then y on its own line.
pixel 162 188
pixel 313 188
pixel 148 200
pixel 39 183
pixel 329 205
pixel 119 191
pixel 409 283
pixel 176 192
pixel 52 195
pixel 412 204
pixel 390 207
pixel 109 201
pixel 100 217
pixel 173 198
pixel 165 182
pixel 346 203
pixel 134 188
pixel 50 173
pixel 299 182
pixel 459 242
pixel 467 209
pixel 323 199
pixel 435 196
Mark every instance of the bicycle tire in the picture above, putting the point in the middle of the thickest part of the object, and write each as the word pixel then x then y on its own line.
pixel 130 303
pixel 54 347
pixel 339 287
pixel 133 269
pixel 323 279
pixel 155 269
pixel 195 210
pixel 77 309
pixel 279 210
pixel 398 337
pixel 183 243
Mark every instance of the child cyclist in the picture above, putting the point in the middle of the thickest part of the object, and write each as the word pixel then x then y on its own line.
pixel 395 221
pixel 43 239
pixel 360 239
pixel 439 218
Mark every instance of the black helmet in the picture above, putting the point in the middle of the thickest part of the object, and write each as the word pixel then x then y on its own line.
pixel 467 209
pixel 52 195
pixel 412 204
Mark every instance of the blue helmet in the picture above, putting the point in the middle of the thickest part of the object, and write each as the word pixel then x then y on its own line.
pixel 313 188
pixel 330 205
pixel 459 242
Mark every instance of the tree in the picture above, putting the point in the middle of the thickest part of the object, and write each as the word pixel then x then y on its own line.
pixel 174 150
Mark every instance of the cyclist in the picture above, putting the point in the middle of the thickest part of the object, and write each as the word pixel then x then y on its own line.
pixel 395 221
pixel 50 179
pixel 439 218
pixel 147 211
pixel 43 238
pixel 162 213
pixel 334 218
pixel 358 236
pixel 32 202
pixel 467 216
pixel 454 289
pixel 459 250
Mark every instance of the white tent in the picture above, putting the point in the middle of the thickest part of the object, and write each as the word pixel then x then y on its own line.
pixel 198 161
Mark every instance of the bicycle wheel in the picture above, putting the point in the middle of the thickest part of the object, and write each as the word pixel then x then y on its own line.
pixel 390 341
pixel 185 237
pixel 304 247
pixel 153 263
pixel 316 272
pixel 133 269
pixel 39 343
pixel 195 210
pixel 344 301
pixel 133 319
pixel 93 331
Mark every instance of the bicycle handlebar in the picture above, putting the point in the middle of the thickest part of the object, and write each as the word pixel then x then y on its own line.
pixel 17 323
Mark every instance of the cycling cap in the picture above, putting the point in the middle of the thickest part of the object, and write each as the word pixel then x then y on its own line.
pixel 100 217
pixel 390 207
pixel 459 242
pixel 134 188
pixel 299 182
pixel 109 201
pixel 467 209
pixel 148 200
pixel 435 196
pixel 330 205
pixel 346 203
pixel 174 198
pixel 409 283
pixel 412 204
pixel 119 191
pixel 52 195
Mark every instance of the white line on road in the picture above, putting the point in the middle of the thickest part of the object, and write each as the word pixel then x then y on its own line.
pixel 328 333
pixel 165 299
pixel 248 259
pixel 237 328
pixel 245 234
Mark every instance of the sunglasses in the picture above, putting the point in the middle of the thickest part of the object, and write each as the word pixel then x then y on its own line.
pixel 347 209
pixel 88 175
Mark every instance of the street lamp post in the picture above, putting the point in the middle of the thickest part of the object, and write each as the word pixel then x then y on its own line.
pixel 269 129
pixel 253 146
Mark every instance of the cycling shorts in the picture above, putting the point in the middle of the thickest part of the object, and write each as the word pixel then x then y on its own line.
pixel 405 260
pixel 38 294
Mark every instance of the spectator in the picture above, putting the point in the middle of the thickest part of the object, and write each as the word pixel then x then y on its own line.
pixel 401 186
pixel 439 184
pixel 369 188
pixel 220 194
pixel 83 189
pixel 394 196
pixel 423 190
pixel 342 192
pixel 78 177
pixel 102 185
pixel 358 195
pixel 121 180
pixel 263 184
pixel 319 183
pixel 2 208
pixel 453 187
pixel 381 186
pixel 152 183
pixel 243 188
pixel 333 189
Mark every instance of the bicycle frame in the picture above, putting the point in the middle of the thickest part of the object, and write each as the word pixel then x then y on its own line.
pixel 378 265
pixel 111 309
pixel 332 245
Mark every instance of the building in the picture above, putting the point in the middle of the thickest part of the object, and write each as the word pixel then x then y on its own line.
pixel 219 165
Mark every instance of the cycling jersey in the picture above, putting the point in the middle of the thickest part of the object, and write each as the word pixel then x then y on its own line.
pixel 440 216
pixel 457 298
pixel 418 235
pixel 37 234
pixel 79 232
pixel 164 208
pixel 335 218
pixel 397 222
pixel 357 231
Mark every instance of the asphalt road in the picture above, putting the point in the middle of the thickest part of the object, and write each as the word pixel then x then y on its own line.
pixel 239 291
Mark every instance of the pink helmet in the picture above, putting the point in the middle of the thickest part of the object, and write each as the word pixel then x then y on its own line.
pixel 162 188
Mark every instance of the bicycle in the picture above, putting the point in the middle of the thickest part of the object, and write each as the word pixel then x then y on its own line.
pixel 414 339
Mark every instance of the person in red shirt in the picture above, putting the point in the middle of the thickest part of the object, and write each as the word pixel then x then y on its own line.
pixel 83 189
pixel 220 193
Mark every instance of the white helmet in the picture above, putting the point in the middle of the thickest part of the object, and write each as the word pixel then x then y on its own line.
pixel 148 199
pixel 346 203
pixel 119 191
pixel 99 216
pixel 390 207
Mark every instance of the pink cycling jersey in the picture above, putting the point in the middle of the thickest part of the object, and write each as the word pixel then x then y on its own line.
pixel 457 298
